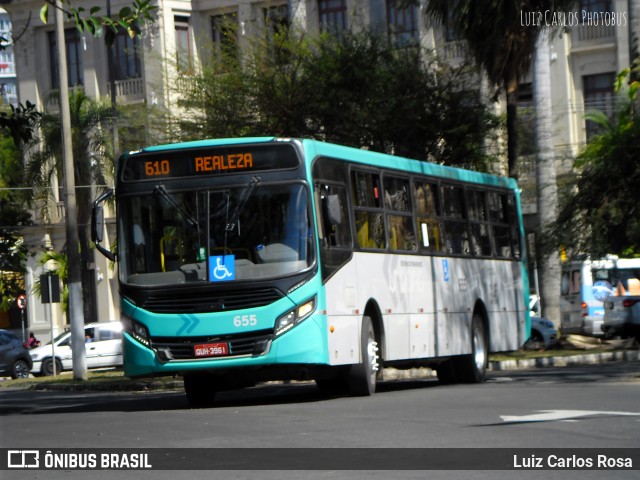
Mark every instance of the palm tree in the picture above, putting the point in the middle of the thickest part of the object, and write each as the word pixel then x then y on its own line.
pixel 634 32
pixel 499 43
pixel 93 165
pixel 546 178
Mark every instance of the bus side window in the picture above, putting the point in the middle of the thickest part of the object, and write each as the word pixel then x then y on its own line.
pixel 425 199
pixel 334 221
pixel 455 223
pixel 370 225
pixel 399 218
pixel 575 281
pixel 565 283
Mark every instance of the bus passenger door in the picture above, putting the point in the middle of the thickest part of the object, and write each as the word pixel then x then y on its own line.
pixel 571 300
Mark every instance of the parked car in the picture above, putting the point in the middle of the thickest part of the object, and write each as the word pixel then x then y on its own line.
pixel 543 332
pixel 103 345
pixel 14 356
pixel 622 317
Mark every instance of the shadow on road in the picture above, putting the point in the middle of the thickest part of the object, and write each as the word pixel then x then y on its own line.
pixel 16 402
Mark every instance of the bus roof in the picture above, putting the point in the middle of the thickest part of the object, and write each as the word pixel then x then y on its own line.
pixel 365 157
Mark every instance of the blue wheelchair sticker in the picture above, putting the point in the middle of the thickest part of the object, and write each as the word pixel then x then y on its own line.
pixel 445 269
pixel 222 268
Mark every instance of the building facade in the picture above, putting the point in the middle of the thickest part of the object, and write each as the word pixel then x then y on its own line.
pixel 585 59
pixel 8 85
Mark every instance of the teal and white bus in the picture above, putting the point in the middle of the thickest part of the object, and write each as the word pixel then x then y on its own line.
pixel 244 260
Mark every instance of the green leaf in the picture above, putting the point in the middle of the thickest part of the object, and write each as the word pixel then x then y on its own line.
pixel 94 10
pixel 125 12
pixel 44 13
pixel 109 37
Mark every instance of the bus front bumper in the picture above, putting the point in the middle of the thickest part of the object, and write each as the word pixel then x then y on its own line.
pixel 302 345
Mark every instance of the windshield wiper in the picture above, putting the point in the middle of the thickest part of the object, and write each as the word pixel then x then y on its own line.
pixel 231 224
pixel 190 219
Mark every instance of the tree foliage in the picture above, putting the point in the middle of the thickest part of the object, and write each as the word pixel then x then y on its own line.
pixel 601 208
pixel 356 91
pixel 13 216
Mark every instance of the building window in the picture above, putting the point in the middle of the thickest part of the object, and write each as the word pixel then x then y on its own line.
pixel 127 58
pixel 224 32
pixel 183 43
pixel 598 95
pixel 333 16
pixel 73 44
pixel 276 22
pixel 402 25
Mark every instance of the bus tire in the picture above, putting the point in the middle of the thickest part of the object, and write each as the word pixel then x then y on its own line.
pixel 200 389
pixel 473 368
pixel 363 376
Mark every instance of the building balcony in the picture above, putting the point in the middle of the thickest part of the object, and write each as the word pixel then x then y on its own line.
pixel 52 98
pixel 455 50
pixel 7 69
pixel 130 90
pixel 589 36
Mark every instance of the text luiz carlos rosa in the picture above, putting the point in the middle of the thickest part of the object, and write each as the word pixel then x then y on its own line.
pixel 570 462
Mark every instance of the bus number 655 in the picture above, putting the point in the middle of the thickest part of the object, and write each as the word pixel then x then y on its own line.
pixel 245 321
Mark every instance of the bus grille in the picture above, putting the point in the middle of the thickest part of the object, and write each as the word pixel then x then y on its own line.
pixel 205 302
pixel 181 348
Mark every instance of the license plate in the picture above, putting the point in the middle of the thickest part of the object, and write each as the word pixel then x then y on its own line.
pixel 211 349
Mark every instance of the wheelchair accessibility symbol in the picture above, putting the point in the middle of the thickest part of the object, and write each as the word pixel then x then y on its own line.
pixel 222 268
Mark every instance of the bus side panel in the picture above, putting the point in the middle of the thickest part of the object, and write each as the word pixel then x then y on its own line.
pixel 460 284
pixel 454 300
pixel 402 287
pixel 343 323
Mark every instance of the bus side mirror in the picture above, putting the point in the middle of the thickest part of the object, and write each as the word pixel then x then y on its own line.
pixel 332 210
pixel 97 224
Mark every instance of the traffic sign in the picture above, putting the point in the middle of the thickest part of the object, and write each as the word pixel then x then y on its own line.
pixel 22 301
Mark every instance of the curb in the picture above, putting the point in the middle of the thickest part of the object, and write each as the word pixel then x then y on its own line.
pixel 566 361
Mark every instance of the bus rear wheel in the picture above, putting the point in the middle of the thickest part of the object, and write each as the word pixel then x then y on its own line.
pixel 200 389
pixel 363 376
pixel 473 368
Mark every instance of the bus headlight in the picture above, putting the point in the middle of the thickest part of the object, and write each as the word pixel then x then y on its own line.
pixel 293 317
pixel 136 330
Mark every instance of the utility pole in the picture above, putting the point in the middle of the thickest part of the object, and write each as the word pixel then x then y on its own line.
pixel 76 313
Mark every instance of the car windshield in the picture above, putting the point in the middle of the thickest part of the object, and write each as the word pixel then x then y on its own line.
pixel 250 232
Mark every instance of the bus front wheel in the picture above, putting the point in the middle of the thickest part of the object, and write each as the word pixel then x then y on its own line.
pixel 363 376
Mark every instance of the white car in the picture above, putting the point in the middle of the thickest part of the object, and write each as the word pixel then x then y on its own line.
pixel 103 344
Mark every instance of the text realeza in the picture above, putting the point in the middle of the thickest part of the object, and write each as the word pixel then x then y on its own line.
pixel 214 163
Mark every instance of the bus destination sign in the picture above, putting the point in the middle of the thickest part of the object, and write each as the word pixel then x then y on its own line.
pixel 208 161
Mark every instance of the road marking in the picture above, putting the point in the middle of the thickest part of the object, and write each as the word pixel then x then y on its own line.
pixel 563 415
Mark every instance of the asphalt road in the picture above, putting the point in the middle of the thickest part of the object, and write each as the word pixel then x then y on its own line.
pixel 592 407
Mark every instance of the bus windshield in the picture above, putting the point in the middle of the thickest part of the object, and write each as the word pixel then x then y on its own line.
pixel 240 233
